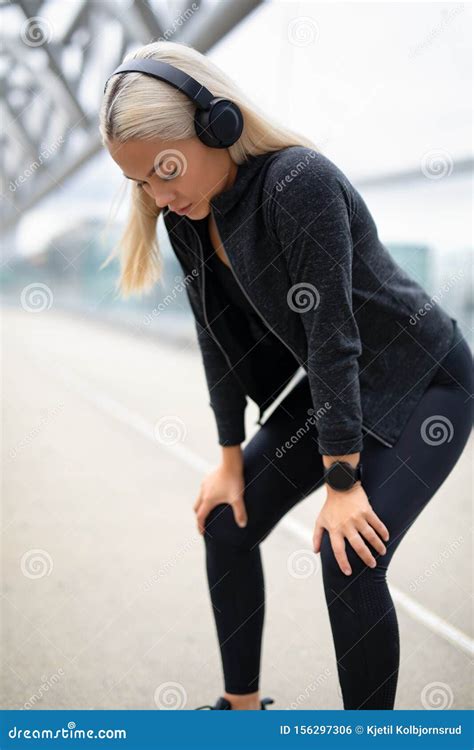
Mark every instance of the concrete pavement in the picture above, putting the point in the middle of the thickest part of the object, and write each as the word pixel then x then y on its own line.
pixel 104 597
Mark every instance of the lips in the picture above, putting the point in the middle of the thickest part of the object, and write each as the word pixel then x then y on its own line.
pixel 182 210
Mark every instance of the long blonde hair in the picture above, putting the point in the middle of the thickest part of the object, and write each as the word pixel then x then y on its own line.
pixel 137 106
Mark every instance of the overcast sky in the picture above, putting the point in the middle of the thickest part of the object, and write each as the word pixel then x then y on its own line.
pixel 378 86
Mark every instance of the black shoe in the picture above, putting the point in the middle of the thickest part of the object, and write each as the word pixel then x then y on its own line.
pixel 223 704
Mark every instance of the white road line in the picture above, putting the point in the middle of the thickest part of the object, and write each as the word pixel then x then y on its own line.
pixel 427 618
pixel 133 419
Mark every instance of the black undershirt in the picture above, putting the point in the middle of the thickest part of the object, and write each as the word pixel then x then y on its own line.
pixel 263 360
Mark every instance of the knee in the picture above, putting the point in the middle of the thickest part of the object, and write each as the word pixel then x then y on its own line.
pixel 333 575
pixel 221 528
pixel 330 567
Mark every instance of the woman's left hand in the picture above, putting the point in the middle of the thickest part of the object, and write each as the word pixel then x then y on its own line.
pixel 349 515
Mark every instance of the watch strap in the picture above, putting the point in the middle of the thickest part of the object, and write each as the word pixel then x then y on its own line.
pixel 355 471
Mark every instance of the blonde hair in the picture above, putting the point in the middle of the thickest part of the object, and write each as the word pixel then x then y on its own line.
pixel 137 106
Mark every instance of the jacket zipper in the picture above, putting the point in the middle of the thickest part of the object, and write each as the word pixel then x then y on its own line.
pixel 374 434
pixel 261 411
pixel 206 320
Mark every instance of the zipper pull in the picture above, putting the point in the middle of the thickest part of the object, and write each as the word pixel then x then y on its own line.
pixel 259 420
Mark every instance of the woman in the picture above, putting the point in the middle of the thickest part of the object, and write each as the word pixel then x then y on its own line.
pixel 285 273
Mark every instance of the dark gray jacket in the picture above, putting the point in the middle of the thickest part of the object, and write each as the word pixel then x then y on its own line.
pixel 305 250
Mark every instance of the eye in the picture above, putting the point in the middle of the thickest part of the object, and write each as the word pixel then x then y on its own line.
pixel 171 175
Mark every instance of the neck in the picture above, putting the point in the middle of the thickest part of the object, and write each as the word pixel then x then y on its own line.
pixel 231 175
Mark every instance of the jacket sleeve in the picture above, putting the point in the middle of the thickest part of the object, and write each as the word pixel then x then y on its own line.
pixel 309 215
pixel 226 394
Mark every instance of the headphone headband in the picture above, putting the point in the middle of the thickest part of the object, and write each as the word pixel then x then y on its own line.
pixel 168 73
pixel 218 122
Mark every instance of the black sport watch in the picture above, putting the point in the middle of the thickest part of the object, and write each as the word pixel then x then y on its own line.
pixel 342 476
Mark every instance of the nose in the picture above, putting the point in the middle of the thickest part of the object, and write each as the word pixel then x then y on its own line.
pixel 162 202
pixel 162 199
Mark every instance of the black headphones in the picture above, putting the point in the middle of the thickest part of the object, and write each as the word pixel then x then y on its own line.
pixel 218 122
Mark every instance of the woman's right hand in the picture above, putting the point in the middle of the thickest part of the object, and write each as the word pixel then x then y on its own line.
pixel 223 485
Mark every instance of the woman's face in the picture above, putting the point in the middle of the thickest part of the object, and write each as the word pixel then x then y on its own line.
pixel 176 174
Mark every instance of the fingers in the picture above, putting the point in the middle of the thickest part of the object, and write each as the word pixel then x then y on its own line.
pixel 202 508
pixel 379 527
pixel 372 537
pixel 197 504
pixel 338 547
pixel 317 536
pixel 357 544
pixel 201 514
pixel 240 513
pixel 358 528
pixel 198 500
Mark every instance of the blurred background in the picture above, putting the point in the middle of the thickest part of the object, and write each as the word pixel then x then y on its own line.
pixel 389 104
pixel 384 90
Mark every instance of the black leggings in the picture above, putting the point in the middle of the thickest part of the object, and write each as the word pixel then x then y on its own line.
pixel 398 481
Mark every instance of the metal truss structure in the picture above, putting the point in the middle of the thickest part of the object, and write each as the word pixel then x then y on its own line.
pixel 53 67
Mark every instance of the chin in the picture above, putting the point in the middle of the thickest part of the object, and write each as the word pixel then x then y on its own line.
pixel 200 213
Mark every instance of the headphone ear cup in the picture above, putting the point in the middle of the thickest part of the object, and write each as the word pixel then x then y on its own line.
pixel 219 126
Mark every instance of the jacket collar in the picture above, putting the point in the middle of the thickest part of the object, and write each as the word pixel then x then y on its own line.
pixel 223 202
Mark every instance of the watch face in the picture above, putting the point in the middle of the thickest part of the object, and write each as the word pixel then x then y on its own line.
pixel 340 478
